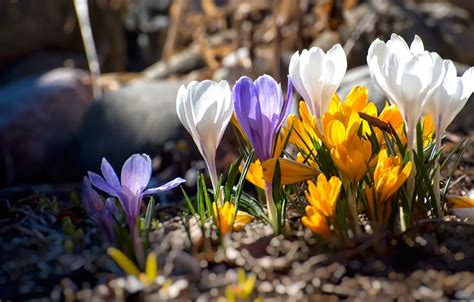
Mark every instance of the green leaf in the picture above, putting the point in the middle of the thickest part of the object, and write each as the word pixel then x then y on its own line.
pixel 252 206
pixel 240 185
pixel 188 201
pixel 232 177
pixel 148 216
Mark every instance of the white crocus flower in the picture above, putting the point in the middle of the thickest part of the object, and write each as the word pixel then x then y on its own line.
pixel 449 98
pixel 205 108
pixel 407 75
pixel 317 75
pixel 446 102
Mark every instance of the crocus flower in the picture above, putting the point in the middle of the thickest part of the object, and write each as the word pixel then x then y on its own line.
pixel 243 289
pixel 316 76
pixel 224 215
pixel 407 75
pixel 104 214
pixel 449 98
pixel 322 198
pixel 352 157
pixel 389 176
pixel 135 176
pixel 261 112
pixel 304 132
pixel 205 108
pixel 146 278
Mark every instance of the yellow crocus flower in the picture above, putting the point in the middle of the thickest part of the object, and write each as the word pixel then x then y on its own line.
pixel 352 157
pixel 322 198
pixel 224 215
pixel 255 174
pixel 391 115
pixel 389 176
pixel 304 130
pixel 127 265
pixel 358 101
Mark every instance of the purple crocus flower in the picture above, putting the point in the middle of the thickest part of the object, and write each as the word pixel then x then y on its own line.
pixel 134 178
pixel 261 112
pixel 104 214
pixel 260 109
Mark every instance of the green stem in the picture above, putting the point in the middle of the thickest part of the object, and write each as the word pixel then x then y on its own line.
pixel 271 208
pixel 437 176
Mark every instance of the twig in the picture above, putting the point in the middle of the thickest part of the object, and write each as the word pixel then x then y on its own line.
pixel 82 11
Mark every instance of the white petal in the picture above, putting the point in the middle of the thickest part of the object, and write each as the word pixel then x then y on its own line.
pixel 295 75
pixel 180 107
pixel 397 45
pixel 416 46
pixel 468 82
pixel 337 57
pixel 312 69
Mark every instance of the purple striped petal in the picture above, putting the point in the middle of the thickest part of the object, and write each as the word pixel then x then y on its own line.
pixel 285 110
pixel 109 175
pixel 269 96
pixel 100 183
pixel 136 173
pixel 90 198
pixel 167 186
pixel 247 110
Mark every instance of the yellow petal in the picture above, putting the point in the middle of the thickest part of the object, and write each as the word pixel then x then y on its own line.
pixel 123 261
pixel 255 174
pixel 357 98
pixel 151 268
pixel 461 201
pixel 291 171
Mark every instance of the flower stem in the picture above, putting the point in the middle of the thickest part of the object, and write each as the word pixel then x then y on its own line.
pixel 271 207
pixel 411 144
pixel 352 203
pixel 211 168
pixel 437 176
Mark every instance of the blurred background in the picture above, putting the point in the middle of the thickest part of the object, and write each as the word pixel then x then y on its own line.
pixel 57 121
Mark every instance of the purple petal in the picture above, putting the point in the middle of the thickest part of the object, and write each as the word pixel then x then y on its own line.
pixel 90 199
pixel 110 176
pixel 136 173
pixel 100 183
pixel 106 224
pixel 111 207
pixel 285 110
pixel 167 186
pixel 130 202
pixel 269 96
pixel 247 110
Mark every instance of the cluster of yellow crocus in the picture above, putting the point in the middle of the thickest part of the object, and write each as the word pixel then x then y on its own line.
pixel 349 151
pixel 225 214
pixel 345 130
pixel 322 198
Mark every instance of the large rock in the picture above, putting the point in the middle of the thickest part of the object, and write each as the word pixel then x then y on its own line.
pixel 38 119
pixel 139 117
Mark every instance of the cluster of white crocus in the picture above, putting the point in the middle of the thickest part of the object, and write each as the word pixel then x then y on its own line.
pixel 317 75
pixel 205 108
pixel 418 82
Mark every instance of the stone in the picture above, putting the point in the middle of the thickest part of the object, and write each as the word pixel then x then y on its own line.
pixel 39 116
pixel 137 118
